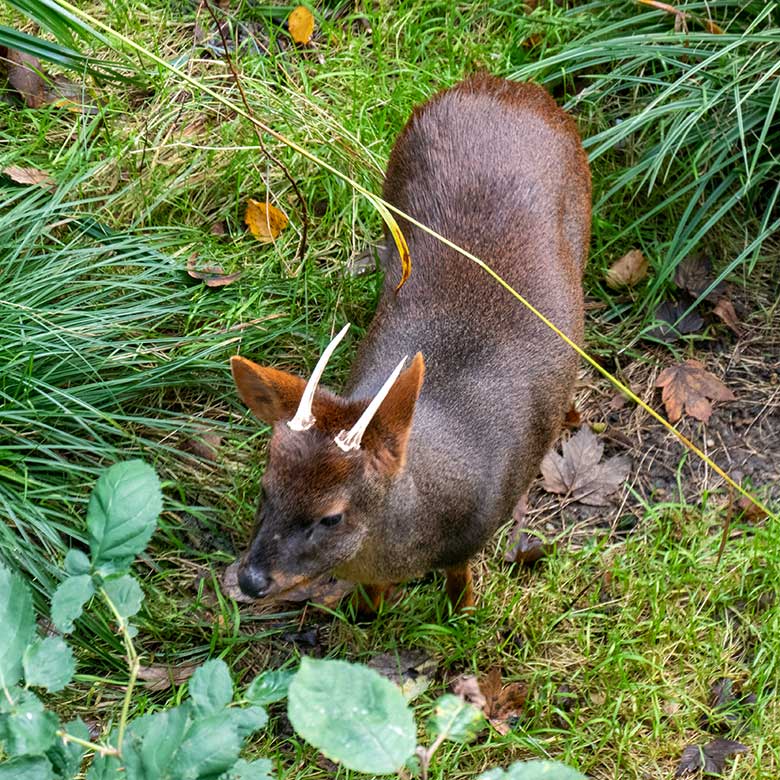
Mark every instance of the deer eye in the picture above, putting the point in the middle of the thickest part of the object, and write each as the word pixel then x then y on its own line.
pixel 330 520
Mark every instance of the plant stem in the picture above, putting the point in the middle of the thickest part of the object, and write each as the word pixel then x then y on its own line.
pixel 133 664
pixel 102 749
pixel 426 754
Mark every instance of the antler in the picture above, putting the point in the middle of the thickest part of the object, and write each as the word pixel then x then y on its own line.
pixel 304 419
pixel 350 440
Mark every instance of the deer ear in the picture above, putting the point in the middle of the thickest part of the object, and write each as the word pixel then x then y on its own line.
pixel 388 433
pixel 271 394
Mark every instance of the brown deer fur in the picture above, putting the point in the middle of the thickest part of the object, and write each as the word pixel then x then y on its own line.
pixel 498 168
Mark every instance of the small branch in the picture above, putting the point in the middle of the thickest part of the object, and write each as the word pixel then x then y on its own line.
pixel 301 202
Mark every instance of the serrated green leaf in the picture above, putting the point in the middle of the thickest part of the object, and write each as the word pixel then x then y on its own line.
pixel 456 719
pixel 17 619
pixel 125 594
pixel 66 757
pixel 49 663
pixel 106 768
pixel 352 714
pixel 69 599
pixel 123 511
pixel 210 747
pixel 211 688
pixel 533 770
pixel 152 741
pixel 76 563
pixel 26 728
pixel 27 768
pixel 269 687
pixel 247 720
pixel 261 769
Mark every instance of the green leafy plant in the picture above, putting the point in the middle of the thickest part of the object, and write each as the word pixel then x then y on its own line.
pixel 349 712
pixel 200 738
pixel 362 720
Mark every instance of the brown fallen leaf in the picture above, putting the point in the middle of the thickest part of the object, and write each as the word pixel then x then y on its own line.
pixel 29 176
pixel 694 275
pixel 467 687
pixel 501 702
pixel 205 445
pixel 211 275
pixel 264 220
pixel 749 511
pixel 628 271
pixel 300 23
pixel 411 670
pixel 674 322
pixel 160 677
pixel 724 309
pixel 688 386
pixel 710 758
pixel 579 474
pixel 24 75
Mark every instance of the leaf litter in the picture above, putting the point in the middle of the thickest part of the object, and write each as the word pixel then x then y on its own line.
pixel 501 702
pixel 710 758
pixel 211 275
pixel 300 23
pixel 628 271
pixel 690 387
pixel 22 175
pixel 264 220
pixel 579 474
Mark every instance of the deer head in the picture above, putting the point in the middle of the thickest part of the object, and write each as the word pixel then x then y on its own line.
pixel 331 463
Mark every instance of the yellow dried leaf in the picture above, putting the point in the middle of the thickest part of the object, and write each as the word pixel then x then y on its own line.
pixel 301 24
pixel 264 220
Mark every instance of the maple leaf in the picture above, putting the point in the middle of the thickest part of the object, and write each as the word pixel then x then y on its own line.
pixel 264 220
pixel 580 475
pixel 628 271
pixel 300 23
pixel 710 758
pixel 688 386
pixel 673 321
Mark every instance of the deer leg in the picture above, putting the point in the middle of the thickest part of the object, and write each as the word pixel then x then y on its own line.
pixel 459 588
pixel 368 598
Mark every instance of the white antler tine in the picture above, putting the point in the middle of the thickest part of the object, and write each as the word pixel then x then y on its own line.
pixel 304 419
pixel 350 440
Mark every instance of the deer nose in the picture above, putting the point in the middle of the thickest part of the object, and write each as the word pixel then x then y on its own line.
pixel 254 582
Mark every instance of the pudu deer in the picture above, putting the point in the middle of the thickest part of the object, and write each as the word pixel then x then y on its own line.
pixel 415 472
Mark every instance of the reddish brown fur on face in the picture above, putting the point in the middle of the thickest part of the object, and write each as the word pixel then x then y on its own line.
pixel 271 394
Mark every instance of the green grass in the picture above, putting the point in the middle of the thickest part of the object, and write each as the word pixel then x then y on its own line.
pixel 109 349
